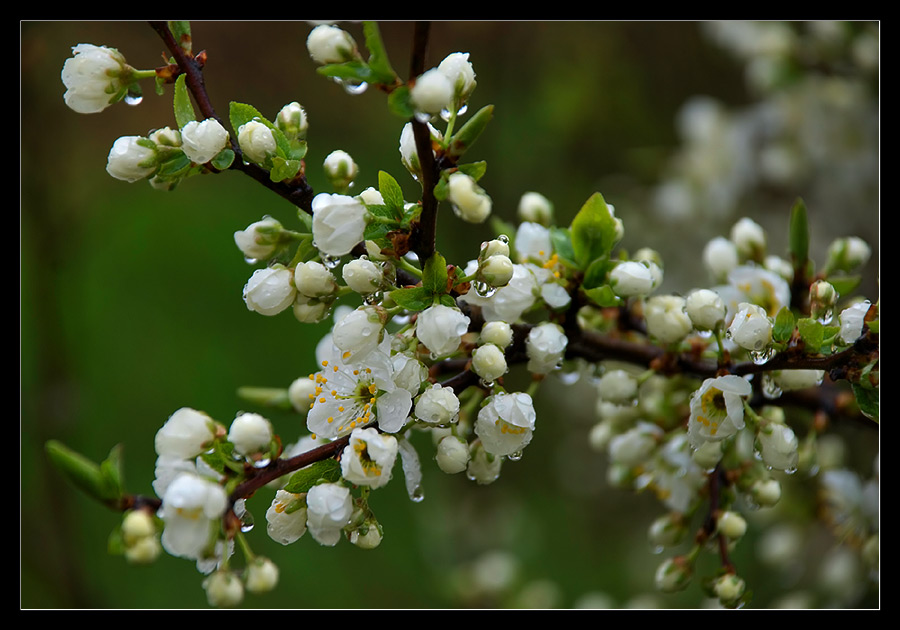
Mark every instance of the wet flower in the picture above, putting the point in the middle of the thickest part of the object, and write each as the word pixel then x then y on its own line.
pixel 348 396
pixel 535 208
pixel 458 69
pixel 329 507
pixel 189 507
pixel 452 455
pixel 432 92
pixel 270 291
pixel 261 575
pixel 314 280
pixel 667 319
pixel 751 328
pixel 131 159
pixel 256 141
pixel 779 446
pixel 470 202
pixel 359 333
pixel 339 222
pixel 441 329
pixel 533 242
pixel 631 278
pixel 202 141
pixel 259 240
pixel 185 435
pixel 545 346
pixel 93 78
pixel 705 308
pixel 330 44
pixel 437 405
pixel 286 517
pixel 852 320
pixel 340 169
pixel 489 362
pixel 505 423
pixel 369 457
pixel 250 433
pixel 717 409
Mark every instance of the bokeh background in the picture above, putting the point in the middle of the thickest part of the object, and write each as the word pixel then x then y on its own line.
pixel 131 298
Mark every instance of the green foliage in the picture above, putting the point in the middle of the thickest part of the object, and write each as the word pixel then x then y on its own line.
pixel 184 109
pixel 327 470
pixel 593 231
pixel 784 325
pixel 101 481
pixel 799 234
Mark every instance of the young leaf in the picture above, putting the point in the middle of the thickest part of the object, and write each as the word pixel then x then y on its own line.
pixel 799 234
pixel 181 31
pixel 305 478
pixel 81 471
pixel 867 399
pixel 399 104
pixel 812 332
pixel 414 299
pixel 475 170
pixel 468 133
pixel 784 325
pixel 391 193
pixel 184 110
pixel 562 244
pixel 378 59
pixel 593 231
pixel 603 296
pixel 284 169
pixel 434 274
pixel 595 275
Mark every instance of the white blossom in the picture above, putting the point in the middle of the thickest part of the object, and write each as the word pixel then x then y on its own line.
pixel 330 44
pixel 497 333
pixel 185 435
pixel 635 445
pixel 301 392
pixel 505 423
pixel 286 517
pixel 329 507
pixel 705 308
pixel 257 141
pixel 631 278
pixel 368 458
pixel 261 575
pixel 452 455
pixel 363 276
pixel 359 333
pixel 129 160
pixel 749 238
pixel 93 78
pixel 852 320
pixel 223 589
pixel 489 362
pixel 751 327
pixel 797 379
pixel 483 467
pixel 497 270
pixel 259 240
pixel 441 328
pixel 432 92
pixel 779 446
pixel 292 120
pixel 470 202
pixel 409 156
pixel 731 524
pixel 250 433
pixel 535 208
pixel 617 386
pixel 717 409
pixel 507 303
pixel 545 347
pixel 189 506
pixel 533 242
pixel 339 222
pixel 667 319
pixel 848 253
pixel 437 405
pixel 270 290
pixel 313 279
pixel 458 69
pixel 349 395
pixel 202 141
pixel 340 169
pixel 720 256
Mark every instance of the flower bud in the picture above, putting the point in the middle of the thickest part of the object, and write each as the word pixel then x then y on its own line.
pixel 497 333
pixel 132 158
pixel 846 254
pixel 250 433
pixel 822 298
pixel 143 550
pixel 452 455
pixel 458 69
pixel 137 524
pixel 223 589
pixel 309 310
pixel 673 575
pixel 720 256
pixel 340 169
pixel 185 435
pixel 497 270
pixel 262 575
pixel 666 318
pixel 707 454
pixel 617 386
pixel 633 447
pixel 441 329
pixel 667 530
pixel 706 309
pixel 94 78
pixel 545 347
pixel 749 238
pixel 489 362
pixel 257 141
pixel 368 535
pixel 766 492
pixel 301 392
pixel 409 156
pixel 286 517
pixel 495 247
pixel 292 121
pixel 313 279
pixel 339 222
pixel 483 468
pixel 363 276
pixel 269 291
pixel 432 92
pixel 437 405
pixel 166 137
pixel 330 44
pixel 470 202
pixel 729 588
pixel 751 328
pixel 202 141
pixel 731 525
pixel 779 446
pixel 797 379
pixel 535 208
pixel 260 240
pixel 631 278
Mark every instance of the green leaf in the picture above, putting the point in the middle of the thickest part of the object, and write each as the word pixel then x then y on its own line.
pixel 399 104
pixel 181 31
pixel 217 457
pixel 353 70
pixel 111 472
pixel 223 160
pixel 799 234
pixel 379 63
pixel 414 299
pixel 596 273
pixel 784 325
pixel 475 170
pixel 867 399
pixel 391 193
pixel 844 285
pixel 81 471
pixel 184 110
pixel 603 296
pixel 593 231
pixel 284 169
pixel 305 478
pixel 434 275
pixel 448 301
pixel 468 133
pixel 812 332
pixel 562 244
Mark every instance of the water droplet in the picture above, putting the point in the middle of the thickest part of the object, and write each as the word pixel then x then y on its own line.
pixel 790 471
pixel 483 289
pixel 770 388
pixel 445 113
pixel 759 357
pixel 247 521
pixel 330 261
pixel 504 238
pixel 423 117
pixel 487 383
pixel 658 549
pixel 569 378
pixel 262 463
pixel 417 495
pixel 826 317
pixel 515 456
pixel 250 261
pixel 132 99
pixel 352 86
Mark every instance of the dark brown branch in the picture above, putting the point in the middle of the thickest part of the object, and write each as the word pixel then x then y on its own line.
pixel 298 191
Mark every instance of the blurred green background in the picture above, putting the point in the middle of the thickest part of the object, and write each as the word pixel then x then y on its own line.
pixel 131 301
